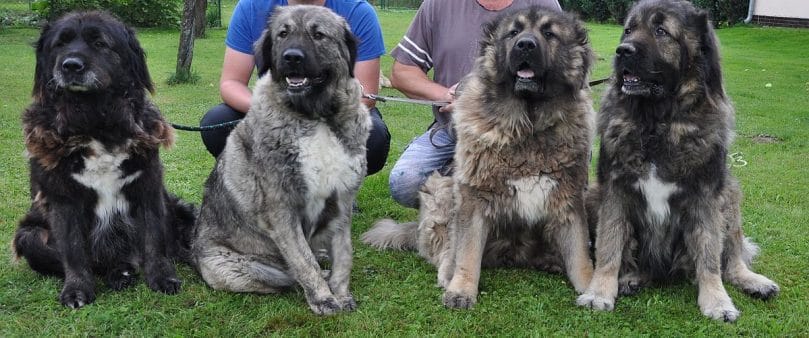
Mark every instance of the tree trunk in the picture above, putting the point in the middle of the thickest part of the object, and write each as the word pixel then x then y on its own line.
pixel 200 18
pixel 185 52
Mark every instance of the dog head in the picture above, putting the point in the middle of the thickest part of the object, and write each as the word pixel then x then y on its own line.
pixel 664 43
pixel 88 52
pixel 545 52
pixel 305 49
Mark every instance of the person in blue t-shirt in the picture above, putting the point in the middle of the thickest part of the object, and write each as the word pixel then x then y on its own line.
pixel 246 25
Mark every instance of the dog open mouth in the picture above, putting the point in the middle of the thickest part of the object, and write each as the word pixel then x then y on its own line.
pixel 526 79
pixel 633 85
pixel 298 83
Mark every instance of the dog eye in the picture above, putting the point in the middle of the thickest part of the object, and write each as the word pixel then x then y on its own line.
pixel 661 32
pixel 512 33
pixel 318 36
pixel 548 34
pixel 627 31
pixel 282 34
pixel 99 44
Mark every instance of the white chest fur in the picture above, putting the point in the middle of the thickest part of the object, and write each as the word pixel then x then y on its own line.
pixel 657 195
pixel 326 168
pixel 531 196
pixel 103 174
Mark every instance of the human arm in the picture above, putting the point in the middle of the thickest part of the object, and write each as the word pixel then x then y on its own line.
pixel 414 83
pixel 367 72
pixel 236 71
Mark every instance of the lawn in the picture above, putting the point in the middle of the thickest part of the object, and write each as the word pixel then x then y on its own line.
pixel 767 75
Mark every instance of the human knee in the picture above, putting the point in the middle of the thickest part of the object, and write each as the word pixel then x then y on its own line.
pixel 378 144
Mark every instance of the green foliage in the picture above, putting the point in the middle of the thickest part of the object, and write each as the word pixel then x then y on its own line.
pixel 618 9
pixel 727 12
pixel 139 13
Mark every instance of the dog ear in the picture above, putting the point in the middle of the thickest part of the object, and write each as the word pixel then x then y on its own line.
pixel 138 68
pixel 351 44
pixel 42 72
pixel 263 52
pixel 709 49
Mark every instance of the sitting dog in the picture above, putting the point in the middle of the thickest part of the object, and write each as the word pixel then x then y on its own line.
pixel 93 136
pixel 282 189
pixel 665 205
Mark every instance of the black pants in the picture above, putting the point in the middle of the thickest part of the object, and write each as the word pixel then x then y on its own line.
pixel 378 143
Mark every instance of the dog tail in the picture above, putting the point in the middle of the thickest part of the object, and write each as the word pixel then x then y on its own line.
pixel 33 242
pixel 387 234
pixel 182 216
pixel 749 251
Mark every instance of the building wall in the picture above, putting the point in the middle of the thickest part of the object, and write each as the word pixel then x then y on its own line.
pixel 782 8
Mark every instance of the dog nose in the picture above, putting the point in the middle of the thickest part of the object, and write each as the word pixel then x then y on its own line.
pixel 72 65
pixel 625 50
pixel 526 44
pixel 293 55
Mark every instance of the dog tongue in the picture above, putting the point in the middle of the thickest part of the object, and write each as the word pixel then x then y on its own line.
pixel 525 73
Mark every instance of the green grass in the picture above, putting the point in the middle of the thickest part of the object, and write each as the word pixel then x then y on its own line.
pixel 396 290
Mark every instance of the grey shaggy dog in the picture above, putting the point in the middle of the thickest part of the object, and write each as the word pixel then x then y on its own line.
pixel 524 124
pixel 280 195
pixel 665 203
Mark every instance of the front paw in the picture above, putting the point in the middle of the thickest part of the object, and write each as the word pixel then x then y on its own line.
pixel 459 299
pixel 325 306
pixel 75 297
pixel 167 285
pixel 347 303
pixel 119 279
pixel 593 301
pixel 725 313
pixel 720 308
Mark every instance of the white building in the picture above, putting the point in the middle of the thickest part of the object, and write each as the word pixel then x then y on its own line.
pixel 784 13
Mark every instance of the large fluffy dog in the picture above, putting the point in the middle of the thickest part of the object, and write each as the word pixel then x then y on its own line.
pixel 280 195
pixel 524 125
pixel 92 135
pixel 666 204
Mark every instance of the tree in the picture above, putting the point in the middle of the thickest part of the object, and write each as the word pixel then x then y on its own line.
pixel 200 18
pixel 185 52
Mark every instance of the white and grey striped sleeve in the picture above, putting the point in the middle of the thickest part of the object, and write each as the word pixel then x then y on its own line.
pixel 415 47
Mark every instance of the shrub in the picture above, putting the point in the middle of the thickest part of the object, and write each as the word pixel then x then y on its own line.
pixel 618 9
pixel 140 13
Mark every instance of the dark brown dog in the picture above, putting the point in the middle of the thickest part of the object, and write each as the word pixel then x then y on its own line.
pixel 666 205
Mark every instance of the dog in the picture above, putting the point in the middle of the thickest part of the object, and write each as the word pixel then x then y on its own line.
pixel 93 138
pixel 665 203
pixel 281 193
pixel 524 124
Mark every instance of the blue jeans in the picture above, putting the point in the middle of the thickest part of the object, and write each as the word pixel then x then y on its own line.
pixel 430 152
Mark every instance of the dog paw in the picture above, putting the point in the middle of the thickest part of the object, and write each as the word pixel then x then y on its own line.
pixel 167 285
pixel 764 292
pixel 347 303
pixel 725 312
pixel 596 302
pixel 459 300
pixel 629 287
pixel 76 297
pixel 120 279
pixel 765 289
pixel 325 306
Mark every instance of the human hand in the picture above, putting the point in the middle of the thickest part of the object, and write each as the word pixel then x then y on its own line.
pixel 450 97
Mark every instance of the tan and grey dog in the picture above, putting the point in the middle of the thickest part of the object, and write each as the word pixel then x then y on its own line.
pixel 281 192
pixel 524 125
pixel 666 205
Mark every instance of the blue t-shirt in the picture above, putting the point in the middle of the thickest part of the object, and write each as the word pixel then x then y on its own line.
pixel 250 18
